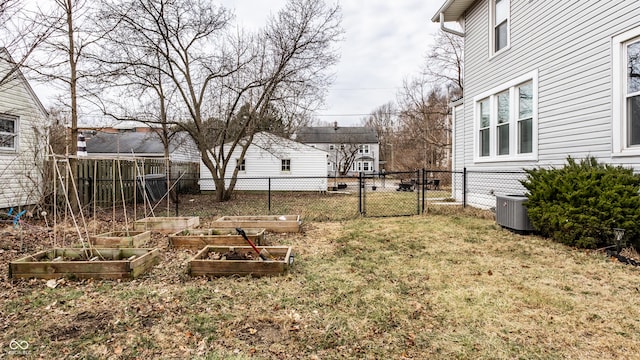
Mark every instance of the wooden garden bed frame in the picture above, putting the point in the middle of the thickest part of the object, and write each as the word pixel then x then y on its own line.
pixel 166 224
pixel 108 264
pixel 118 239
pixel 196 239
pixel 200 265
pixel 273 223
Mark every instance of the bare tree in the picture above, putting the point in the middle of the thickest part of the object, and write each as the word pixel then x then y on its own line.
pixel 384 119
pixel 22 30
pixel 444 63
pixel 424 137
pixel 226 86
pixel 424 132
pixel 62 55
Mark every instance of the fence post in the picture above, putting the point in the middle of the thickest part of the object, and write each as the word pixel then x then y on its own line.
pixel 360 194
pixel 424 189
pixel 418 192
pixel 464 187
pixel 269 195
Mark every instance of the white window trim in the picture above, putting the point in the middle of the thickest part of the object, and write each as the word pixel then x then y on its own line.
pixel 513 143
pixel 619 118
pixel 239 164
pixel 16 134
pixel 492 36
pixel 281 166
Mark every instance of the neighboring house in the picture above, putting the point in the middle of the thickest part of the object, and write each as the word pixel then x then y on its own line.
pixel 351 149
pixel 23 138
pixel 276 163
pixel 139 142
pixel 544 80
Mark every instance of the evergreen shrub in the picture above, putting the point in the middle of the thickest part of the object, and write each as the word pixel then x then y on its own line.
pixel 581 203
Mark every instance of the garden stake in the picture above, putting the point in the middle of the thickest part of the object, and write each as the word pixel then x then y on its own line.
pixel 264 254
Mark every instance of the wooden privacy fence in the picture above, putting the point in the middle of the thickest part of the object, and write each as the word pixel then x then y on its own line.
pixel 109 181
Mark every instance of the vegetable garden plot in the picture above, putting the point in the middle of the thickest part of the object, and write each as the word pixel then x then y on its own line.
pixel 273 223
pixel 85 263
pixel 199 238
pixel 240 260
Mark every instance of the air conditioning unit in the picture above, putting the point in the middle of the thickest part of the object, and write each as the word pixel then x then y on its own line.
pixel 511 213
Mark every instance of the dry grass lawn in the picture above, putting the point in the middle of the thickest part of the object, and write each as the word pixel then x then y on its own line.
pixel 447 285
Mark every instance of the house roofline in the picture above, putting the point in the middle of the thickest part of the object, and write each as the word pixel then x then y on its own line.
pixel 26 82
pixel 452 10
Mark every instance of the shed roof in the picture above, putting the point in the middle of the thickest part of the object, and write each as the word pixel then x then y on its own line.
pixel 337 135
pixel 129 143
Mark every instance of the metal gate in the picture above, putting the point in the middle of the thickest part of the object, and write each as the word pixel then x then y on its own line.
pixel 390 194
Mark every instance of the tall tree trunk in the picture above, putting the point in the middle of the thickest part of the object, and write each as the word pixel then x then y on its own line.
pixel 73 79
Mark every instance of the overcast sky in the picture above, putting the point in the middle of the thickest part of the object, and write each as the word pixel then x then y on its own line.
pixel 385 42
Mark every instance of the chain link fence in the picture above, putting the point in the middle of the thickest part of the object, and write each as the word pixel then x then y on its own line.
pixel 400 193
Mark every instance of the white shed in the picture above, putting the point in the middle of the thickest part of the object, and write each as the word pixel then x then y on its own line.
pixel 276 163
pixel 23 122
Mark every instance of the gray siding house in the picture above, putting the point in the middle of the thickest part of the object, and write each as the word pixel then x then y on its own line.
pixel 544 80
pixel 352 150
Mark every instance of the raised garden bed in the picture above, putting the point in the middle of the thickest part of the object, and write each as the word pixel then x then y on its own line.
pixel 273 223
pixel 239 260
pixel 85 264
pixel 198 238
pixel 118 239
pixel 166 224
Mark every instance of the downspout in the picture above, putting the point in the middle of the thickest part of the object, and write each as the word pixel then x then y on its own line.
pixel 446 29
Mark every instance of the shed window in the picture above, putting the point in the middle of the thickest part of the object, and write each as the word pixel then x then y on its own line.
pixel 242 165
pixel 8 132
pixel 286 165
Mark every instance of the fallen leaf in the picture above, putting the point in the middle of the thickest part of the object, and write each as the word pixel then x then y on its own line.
pixel 52 283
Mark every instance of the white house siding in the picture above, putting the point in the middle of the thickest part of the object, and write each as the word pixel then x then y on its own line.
pixel 185 151
pixel 308 167
pixel 20 170
pixel 569 44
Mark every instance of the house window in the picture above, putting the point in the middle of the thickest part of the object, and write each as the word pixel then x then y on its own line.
pixel 8 132
pixel 485 135
pixel 626 93
pixel 505 121
pixel 241 164
pixel 363 149
pixel 362 166
pixel 525 118
pixel 499 14
pixel 286 165
pixel 502 105
pixel 331 147
pixel 632 91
